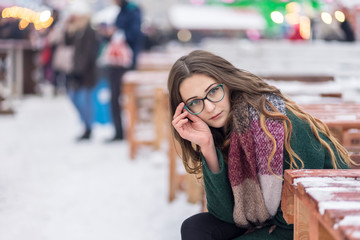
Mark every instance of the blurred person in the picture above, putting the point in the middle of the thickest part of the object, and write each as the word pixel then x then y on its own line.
pixel 346 27
pixel 48 45
pixel 129 22
pixel 241 134
pixel 81 78
pixel 330 32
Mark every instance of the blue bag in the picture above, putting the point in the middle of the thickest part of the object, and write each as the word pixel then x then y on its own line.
pixel 101 101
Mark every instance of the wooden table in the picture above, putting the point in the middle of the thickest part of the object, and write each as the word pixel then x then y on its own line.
pixel 342 114
pixel 322 204
pixel 17 76
pixel 151 85
pixel 145 88
pixel 342 118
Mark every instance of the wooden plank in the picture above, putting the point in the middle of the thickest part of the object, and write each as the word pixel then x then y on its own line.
pixel 325 234
pixel 173 178
pixel 351 232
pixel 301 220
pixel 160 116
pixel 301 78
pixel 290 175
pixel 287 203
pixel 315 229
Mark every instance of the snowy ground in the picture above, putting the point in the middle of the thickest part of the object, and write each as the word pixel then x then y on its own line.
pixel 52 188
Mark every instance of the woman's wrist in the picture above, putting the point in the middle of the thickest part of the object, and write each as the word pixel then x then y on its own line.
pixel 207 143
pixel 209 153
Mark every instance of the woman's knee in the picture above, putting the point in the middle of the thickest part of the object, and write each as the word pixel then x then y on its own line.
pixel 195 227
pixel 205 226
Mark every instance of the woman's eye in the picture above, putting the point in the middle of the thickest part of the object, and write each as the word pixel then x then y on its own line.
pixel 214 90
pixel 193 103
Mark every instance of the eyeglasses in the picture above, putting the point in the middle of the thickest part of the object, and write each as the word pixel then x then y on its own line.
pixel 196 106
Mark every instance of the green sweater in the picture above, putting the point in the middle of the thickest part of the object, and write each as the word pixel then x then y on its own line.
pixel 220 200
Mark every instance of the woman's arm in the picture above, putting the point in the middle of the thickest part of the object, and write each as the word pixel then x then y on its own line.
pixel 220 199
pixel 193 129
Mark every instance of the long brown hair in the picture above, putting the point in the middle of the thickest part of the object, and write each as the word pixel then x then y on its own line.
pixel 253 90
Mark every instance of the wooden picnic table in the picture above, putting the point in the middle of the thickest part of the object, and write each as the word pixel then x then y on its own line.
pixel 151 86
pixel 342 118
pixel 322 204
pixel 341 114
pixel 145 89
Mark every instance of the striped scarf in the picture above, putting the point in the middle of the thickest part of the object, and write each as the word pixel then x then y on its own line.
pixel 257 192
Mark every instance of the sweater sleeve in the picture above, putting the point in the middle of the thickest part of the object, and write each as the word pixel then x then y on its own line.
pixel 219 195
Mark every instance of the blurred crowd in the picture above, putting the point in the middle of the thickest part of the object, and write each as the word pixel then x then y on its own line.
pixel 76 54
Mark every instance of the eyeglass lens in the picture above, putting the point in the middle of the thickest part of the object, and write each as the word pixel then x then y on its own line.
pixel 216 94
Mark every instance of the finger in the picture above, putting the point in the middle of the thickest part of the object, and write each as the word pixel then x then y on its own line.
pixel 192 117
pixel 181 128
pixel 179 117
pixel 180 124
pixel 179 109
pixel 179 120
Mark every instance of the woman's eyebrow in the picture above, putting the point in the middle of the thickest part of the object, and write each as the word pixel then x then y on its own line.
pixel 195 97
pixel 207 89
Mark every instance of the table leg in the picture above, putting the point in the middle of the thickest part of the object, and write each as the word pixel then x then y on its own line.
pixel 301 221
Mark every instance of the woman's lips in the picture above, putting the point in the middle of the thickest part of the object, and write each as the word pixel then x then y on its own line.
pixel 216 116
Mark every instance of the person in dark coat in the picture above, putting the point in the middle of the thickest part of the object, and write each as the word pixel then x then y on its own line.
pixel 82 77
pixel 129 22
pixel 345 26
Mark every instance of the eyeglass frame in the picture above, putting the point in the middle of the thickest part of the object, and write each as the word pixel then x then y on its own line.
pixel 206 97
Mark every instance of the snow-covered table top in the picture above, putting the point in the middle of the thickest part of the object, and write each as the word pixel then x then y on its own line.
pixel 323 203
pixel 341 114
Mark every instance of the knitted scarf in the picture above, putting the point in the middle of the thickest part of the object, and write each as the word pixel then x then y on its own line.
pixel 257 191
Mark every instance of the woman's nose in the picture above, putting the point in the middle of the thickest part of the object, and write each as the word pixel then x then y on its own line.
pixel 209 106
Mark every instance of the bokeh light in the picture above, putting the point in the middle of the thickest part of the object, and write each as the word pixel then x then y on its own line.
pixel 293 7
pixel 184 35
pixel 326 17
pixel 292 18
pixel 26 16
pixel 340 16
pixel 45 15
pixel 305 27
pixel 277 17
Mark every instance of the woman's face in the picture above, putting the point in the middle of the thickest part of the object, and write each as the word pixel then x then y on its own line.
pixel 197 86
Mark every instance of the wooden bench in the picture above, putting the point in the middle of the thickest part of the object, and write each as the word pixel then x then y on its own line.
pixel 145 102
pixel 322 204
pixel 343 120
pixel 301 88
pixel 181 181
pixel 145 91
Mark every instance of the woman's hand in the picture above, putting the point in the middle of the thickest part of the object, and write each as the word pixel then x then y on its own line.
pixel 195 130
pixel 191 127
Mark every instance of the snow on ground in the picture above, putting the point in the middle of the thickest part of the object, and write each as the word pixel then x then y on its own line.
pixel 52 188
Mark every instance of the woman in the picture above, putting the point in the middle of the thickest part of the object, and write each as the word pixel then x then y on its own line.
pixel 242 133
pixel 81 78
